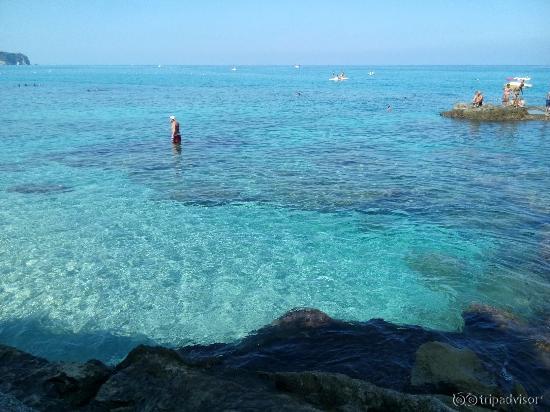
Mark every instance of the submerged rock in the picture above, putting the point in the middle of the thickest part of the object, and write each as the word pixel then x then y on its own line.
pixel 527 345
pixel 492 317
pixel 446 369
pixel 36 188
pixel 492 113
pixel 303 318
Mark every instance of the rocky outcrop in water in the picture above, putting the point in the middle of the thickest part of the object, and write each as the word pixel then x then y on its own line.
pixel 304 361
pixel 13 59
pixel 492 113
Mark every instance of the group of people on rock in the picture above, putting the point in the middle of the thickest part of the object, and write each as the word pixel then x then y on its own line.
pixel 511 96
pixel 517 92
pixel 517 101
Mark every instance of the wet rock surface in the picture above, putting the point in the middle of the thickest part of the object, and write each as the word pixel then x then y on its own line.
pixel 12 404
pixel 492 113
pixel 447 369
pixel 304 361
pixel 158 379
pixel 339 392
pixel 45 385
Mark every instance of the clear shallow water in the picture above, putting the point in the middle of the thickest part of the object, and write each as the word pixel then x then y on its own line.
pixel 109 236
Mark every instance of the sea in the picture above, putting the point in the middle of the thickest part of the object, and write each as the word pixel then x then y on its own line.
pixel 288 190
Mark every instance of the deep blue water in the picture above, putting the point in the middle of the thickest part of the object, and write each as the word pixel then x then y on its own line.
pixel 289 190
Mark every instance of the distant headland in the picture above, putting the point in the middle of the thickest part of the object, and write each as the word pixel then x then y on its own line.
pixel 14 59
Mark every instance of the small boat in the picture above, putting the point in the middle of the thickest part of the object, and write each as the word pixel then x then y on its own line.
pixel 371 73
pixel 234 69
pixel 296 66
pixel 338 79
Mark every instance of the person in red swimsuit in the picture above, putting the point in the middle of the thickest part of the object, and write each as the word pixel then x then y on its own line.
pixel 176 136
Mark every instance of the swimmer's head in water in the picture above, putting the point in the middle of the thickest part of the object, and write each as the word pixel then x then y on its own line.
pixel 172 118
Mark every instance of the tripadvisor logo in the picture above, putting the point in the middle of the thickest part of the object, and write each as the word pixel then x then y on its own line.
pixel 470 399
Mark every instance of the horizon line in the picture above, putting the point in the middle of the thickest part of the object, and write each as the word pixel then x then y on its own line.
pixel 280 64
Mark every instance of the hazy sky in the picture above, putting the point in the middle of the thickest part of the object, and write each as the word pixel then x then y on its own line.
pixel 277 32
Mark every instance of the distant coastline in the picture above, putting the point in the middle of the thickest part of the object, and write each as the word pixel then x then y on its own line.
pixel 331 66
pixel 13 59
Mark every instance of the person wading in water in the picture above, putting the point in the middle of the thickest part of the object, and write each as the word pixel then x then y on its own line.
pixel 176 136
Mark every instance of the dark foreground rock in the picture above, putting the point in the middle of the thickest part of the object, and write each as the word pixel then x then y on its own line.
pixel 44 385
pixel 339 392
pixel 158 379
pixel 154 378
pixel 304 361
pixel 492 113
pixel 13 58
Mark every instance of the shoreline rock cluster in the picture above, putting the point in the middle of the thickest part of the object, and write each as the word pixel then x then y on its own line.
pixel 493 113
pixel 301 362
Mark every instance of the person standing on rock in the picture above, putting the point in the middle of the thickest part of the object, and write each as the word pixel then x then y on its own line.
pixel 176 136
pixel 548 104
pixel 506 95
pixel 522 83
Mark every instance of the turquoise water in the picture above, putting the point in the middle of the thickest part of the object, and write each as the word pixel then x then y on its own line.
pixel 289 190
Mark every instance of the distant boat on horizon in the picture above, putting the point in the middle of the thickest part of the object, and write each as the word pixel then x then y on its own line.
pixel 234 69
pixel 297 66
